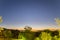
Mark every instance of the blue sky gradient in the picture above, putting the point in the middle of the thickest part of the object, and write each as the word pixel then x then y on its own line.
pixel 35 13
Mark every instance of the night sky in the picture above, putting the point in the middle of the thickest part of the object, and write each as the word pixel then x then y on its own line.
pixel 34 13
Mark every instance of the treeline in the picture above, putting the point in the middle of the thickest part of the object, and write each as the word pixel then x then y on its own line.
pixel 41 35
pixel 27 34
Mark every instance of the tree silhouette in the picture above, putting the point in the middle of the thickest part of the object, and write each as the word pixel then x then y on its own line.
pixel 28 28
pixel 57 21
pixel 1 19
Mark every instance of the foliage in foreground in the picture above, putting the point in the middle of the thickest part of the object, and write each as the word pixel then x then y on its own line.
pixel 30 35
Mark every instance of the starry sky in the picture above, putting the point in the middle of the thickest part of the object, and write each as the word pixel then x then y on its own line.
pixel 34 13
